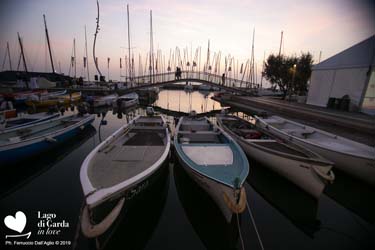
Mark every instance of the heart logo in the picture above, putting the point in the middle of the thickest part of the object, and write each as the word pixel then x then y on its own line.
pixel 16 223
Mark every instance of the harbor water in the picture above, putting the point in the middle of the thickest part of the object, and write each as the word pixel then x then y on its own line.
pixel 176 213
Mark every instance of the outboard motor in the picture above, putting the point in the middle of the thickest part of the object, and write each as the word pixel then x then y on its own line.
pixel 150 111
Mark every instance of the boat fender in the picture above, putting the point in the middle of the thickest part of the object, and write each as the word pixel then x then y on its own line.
pixel 241 204
pixel 94 230
pixel 330 177
pixel 50 139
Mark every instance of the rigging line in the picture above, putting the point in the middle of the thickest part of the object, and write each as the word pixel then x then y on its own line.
pixel 5 57
pixel 255 226
pixel 239 231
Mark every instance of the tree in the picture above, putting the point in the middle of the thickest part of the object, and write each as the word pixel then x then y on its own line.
pixel 290 74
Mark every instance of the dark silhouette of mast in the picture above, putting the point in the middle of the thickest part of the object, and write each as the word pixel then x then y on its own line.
pixel 10 62
pixel 96 33
pixel 152 69
pixel 22 53
pixel 130 68
pixel 281 42
pixel 87 57
pixel 74 56
pixel 49 45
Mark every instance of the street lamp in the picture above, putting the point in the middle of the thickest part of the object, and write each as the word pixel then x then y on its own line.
pixel 294 75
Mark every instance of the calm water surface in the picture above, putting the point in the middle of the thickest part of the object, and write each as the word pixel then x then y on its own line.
pixel 176 213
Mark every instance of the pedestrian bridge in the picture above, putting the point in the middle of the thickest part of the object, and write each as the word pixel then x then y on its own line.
pixel 229 84
pixel 160 79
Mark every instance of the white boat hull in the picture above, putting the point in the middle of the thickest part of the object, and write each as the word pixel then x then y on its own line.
pixel 215 190
pixel 300 173
pixel 361 168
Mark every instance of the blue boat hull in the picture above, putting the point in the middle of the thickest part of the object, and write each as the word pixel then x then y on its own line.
pixel 12 156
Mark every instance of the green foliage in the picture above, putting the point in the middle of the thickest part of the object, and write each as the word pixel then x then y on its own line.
pixel 289 73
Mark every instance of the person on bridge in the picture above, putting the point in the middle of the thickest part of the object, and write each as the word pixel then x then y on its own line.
pixel 223 79
pixel 176 74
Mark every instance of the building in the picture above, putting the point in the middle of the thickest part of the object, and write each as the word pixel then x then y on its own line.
pixel 349 74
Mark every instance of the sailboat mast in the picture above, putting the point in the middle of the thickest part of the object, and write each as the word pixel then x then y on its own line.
pixel 281 42
pixel 252 73
pixel 10 62
pixel 75 58
pixel 96 34
pixel 152 69
pixel 22 53
pixel 208 56
pixel 87 58
pixel 130 68
pixel 49 45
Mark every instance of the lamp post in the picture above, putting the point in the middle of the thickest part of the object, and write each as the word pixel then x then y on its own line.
pixel 294 75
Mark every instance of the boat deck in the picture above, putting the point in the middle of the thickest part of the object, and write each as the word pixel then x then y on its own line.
pixel 37 130
pixel 126 157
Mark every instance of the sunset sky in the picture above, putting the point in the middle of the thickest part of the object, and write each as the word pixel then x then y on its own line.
pixel 329 26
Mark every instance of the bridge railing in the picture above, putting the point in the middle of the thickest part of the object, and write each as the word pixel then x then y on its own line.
pixel 191 76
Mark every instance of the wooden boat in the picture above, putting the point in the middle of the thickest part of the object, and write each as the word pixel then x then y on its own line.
pixel 25 120
pixel 21 97
pixel 20 143
pixel 120 168
pixel 215 161
pixel 351 157
pixel 304 168
pixel 126 100
pixel 55 100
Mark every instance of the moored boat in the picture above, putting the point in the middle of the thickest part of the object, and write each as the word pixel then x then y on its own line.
pixel 20 143
pixel 215 161
pixel 54 100
pixel 119 169
pixel 25 120
pixel 46 95
pixel 306 169
pixel 349 156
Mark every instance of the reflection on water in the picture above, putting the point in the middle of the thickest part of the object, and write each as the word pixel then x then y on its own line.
pixel 186 101
pixel 353 195
pixel 13 177
pixel 296 205
pixel 138 222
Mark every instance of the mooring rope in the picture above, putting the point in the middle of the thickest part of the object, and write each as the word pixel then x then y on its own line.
pixel 239 231
pixel 78 227
pixel 255 226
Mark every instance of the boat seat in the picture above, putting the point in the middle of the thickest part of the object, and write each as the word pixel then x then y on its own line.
pixel 200 132
pixel 260 140
pixel 184 140
pixel 210 137
pixel 153 128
